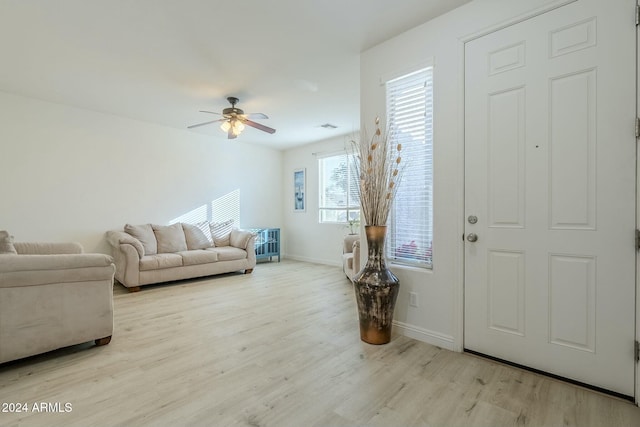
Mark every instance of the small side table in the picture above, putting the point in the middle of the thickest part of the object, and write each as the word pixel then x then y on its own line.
pixel 267 242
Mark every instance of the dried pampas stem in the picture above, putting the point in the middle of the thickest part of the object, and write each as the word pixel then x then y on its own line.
pixel 380 177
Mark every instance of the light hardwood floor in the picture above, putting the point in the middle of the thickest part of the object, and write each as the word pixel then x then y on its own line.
pixel 280 347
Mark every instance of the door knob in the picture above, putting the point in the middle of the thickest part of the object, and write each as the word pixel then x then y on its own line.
pixel 472 237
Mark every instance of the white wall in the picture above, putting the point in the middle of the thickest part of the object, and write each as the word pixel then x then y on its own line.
pixel 71 174
pixel 305 238
pixel 438 317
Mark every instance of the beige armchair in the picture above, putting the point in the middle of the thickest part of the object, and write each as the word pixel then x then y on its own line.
pixel 51 296
pixel 351 255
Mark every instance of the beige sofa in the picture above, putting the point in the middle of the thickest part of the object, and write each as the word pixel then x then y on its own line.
pixel 51 296
pixel 147 254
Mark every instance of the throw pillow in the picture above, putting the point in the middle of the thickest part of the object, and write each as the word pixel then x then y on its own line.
pixel 170 238
pixel 206 229
pixel 195 237
pixel 6 243
pixel 220 232
pixel 145 234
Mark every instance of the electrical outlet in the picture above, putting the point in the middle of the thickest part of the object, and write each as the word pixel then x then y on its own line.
pixel 413 299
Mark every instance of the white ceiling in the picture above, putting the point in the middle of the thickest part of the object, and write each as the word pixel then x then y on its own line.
pixel 161 61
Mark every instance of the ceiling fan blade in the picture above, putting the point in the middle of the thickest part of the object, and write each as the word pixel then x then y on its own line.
pixel 205 123
pixel 210 112
pixel 259 126
pixel 256 116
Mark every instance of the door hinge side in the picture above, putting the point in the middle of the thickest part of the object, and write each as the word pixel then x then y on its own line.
pixel 637 240
pixel 637 127
pixel 637 351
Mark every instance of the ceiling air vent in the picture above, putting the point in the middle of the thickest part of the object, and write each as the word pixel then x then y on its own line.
pixel 328 126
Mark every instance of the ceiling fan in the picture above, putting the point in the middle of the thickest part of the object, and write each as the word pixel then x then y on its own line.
pixel 234 120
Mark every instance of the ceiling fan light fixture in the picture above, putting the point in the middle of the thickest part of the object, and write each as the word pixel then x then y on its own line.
pixel 234 120
pixel 232 125
pixel 237 126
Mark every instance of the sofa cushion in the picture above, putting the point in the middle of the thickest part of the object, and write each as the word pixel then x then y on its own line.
pixel 229 253
pixel 220 231
pixel 145 234
pixel 198 257
pixel 170 238
pixel 6 243
pixel 196 237
pixel 158 261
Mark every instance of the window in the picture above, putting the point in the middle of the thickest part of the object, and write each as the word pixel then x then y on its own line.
pixel 410 121
pixel 339 201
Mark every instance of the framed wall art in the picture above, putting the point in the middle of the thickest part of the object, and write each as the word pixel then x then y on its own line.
pixel 299 190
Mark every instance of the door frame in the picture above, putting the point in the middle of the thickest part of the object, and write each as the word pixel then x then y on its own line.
pixel 458 297
pixel 637 366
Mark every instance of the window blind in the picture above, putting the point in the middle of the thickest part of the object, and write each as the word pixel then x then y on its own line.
pixel 410 123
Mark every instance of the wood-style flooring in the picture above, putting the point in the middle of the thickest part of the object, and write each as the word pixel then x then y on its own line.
pixel 279 347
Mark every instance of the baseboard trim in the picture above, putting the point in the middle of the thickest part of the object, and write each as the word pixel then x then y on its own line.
pixel 425 335
pixel 333 263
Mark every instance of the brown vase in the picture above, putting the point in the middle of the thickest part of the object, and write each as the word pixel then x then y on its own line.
pixel 376 289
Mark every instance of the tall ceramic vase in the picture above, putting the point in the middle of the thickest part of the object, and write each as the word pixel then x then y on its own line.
pixel 376 289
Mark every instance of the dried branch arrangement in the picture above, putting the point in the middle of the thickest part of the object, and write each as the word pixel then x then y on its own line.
pixel 379 165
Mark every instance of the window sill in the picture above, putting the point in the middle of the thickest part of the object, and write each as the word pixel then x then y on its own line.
pixel 407 267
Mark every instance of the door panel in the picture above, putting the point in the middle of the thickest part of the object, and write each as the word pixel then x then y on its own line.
pixel 550 174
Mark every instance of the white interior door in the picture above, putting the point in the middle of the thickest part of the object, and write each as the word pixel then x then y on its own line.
pixel 550 163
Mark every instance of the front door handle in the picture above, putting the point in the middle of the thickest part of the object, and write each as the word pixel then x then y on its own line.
pixel 472 237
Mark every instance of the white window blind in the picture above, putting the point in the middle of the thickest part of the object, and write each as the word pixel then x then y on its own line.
pixel 339 201
pixel 410 122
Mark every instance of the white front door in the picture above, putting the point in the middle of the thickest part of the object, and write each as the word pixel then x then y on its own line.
pixel 550 175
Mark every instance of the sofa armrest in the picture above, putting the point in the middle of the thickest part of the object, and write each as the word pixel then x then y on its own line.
pixel 44 248
pixel 127 252
pixel 242 238
pixel 33 270
pixel 356 256
pixel 251 251
pixel 348 243
pixel 117 238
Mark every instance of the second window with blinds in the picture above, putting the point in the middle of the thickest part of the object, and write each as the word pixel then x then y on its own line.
pixel 339 201
pixel 409 100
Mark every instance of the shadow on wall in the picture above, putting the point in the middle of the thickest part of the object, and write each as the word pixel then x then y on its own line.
pixel 221 209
